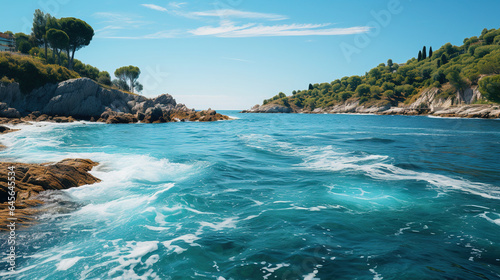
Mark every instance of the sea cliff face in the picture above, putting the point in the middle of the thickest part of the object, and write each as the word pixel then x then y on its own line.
pixel 83 98
pixel 428 102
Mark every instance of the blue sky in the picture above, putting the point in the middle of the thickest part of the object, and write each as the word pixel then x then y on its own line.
pixel 232 54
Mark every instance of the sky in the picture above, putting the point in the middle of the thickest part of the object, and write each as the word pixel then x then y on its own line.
pixel 233 54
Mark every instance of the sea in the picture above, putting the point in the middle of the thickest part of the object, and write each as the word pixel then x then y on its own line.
pixel 266 196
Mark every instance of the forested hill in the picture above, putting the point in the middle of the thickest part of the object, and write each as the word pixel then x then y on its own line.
pixel 450 69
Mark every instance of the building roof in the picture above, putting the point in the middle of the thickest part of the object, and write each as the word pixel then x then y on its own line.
pixel 6 36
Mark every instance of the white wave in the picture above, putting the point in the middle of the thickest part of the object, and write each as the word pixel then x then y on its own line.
pixel 493 221
pixel 187 238
pixel 226 223
pixel 375 166
pixel 65 264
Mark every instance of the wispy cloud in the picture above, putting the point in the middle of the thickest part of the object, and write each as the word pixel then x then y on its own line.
pixel 177 5
pixel 117 21
pixel 229 13
pixel 237 59
pixel 229 30
pixel 155 7
pixel 158 35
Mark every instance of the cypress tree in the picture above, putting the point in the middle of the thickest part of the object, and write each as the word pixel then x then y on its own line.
pixel 424 53
pixel 419 55
pixel 439 62
pixel 311 87
pixel 430 52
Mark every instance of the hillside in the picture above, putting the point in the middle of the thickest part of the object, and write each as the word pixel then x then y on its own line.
pixel 454 74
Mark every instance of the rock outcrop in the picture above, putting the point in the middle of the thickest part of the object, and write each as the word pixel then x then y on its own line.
pixel 269 108
pixel 31 179
pixel 428 102
pixel 85 99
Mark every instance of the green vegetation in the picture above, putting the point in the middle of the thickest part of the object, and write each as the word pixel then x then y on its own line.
pixel 30 72
pixel 48 56
pixel 450 68
pixel 490 88
pixel 128 74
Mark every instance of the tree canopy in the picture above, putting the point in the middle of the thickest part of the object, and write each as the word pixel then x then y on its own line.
pixel 80 34
pixel 129 74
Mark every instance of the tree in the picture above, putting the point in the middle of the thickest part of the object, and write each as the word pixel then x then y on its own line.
pixel 424 53
pixel 39 29
pixel 419 55
pixel 128 73
pixel 80 34
pixel 20 38
pixel 430 52
pixel 24 47
pixel 457 80
pixel 58 41
pixel 104 78
pixel 490 88
pixel 390 64
pixel 444 59
pixel 138 86
pixel 121 84
pixel 311 87
pixel 363 90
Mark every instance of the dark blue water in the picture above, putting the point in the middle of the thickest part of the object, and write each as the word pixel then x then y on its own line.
pixel 269 197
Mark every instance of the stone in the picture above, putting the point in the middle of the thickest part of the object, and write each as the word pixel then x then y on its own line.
pixel 32 179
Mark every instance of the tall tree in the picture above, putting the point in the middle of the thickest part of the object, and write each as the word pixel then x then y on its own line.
pixel 311 87
pixel 430 52
pixel 130 74
pixel 52 23
pixel 58 40
pixel 424 53
pixel 419 55
pixel 39 29
pixel 80 34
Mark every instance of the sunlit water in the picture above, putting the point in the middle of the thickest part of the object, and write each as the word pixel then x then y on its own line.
pixel 268 196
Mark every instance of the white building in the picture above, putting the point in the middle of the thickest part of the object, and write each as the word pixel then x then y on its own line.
pixel 7 42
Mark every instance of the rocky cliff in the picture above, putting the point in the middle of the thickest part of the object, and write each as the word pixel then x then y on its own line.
pixel 427 102
pixel 85 99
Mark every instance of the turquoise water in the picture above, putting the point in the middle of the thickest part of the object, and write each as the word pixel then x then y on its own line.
pixel 269 197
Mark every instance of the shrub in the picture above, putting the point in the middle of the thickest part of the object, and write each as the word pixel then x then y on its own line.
pixel 31 73
pixel 490 88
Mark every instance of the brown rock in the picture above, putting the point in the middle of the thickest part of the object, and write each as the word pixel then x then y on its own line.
pixel 123 118
pixel 31 179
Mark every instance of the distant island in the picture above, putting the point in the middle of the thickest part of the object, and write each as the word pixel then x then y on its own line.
pixel 453 81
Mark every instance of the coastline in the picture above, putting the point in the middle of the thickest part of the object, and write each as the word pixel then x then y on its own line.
pixel 32 179
pixel 478 111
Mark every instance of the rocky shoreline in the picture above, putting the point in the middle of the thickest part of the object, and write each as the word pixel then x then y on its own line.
pixel 428 103
pixel 84 99
pixel 70 101
pixel 32 179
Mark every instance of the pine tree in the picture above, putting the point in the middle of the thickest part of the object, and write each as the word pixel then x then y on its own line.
pixel 430 52
pixel 419 55
pixel 424 53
